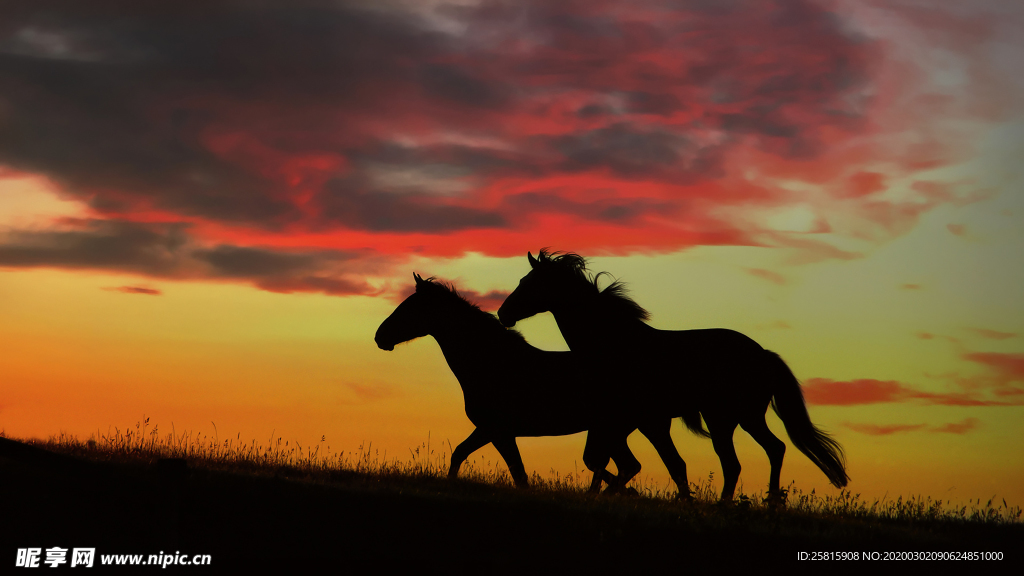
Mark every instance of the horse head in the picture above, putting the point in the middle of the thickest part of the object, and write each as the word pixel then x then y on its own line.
pixel 548 283
pixel 412 319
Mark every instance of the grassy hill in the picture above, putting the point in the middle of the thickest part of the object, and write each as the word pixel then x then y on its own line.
pixel 289 508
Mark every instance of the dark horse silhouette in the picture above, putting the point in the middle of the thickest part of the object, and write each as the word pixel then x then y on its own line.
pixel 719 374
pixel 511 388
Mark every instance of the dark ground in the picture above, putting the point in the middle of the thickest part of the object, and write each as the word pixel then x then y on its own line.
pixel 283 522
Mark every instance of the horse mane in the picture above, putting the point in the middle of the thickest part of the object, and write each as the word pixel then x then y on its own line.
pixel 614 297
pixel 448 291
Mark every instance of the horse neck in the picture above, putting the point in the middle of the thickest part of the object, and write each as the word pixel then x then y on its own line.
pixel 585 326
pixel 471 346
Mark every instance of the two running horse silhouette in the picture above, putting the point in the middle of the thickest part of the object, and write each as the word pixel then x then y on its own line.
pixel 621 375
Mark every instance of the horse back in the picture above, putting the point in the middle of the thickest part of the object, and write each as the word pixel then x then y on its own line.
pixel 682 367
pixel 717 342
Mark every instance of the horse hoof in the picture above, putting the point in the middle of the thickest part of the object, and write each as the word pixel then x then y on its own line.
pixel 777 500
pixel 621 491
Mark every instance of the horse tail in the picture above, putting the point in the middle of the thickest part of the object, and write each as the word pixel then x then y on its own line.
pixel 695 424
pixel 788 403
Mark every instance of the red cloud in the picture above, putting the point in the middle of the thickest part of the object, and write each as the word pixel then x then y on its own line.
pixel 773 277
pixel 1008 367
pixel 279 145
pixel 824 391
pixel 864 391
pixel 863 184
pixel 489 301
pixel 962 427
pixel 877 430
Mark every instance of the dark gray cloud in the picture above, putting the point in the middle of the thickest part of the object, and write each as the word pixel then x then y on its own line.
pixel 621 149
pixel 662 104
pixel 347 203
pixel 283 271
pixel 632 153
pixel 462 88
pixel 594 110
pixel 131 108
pixel 136 290
pixel 620 211
pixel 321 284
pixel 151 249
pixel 319 116
pixel 239 262
pixel 167 251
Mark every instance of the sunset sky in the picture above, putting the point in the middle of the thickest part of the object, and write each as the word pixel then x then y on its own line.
pixel 207 208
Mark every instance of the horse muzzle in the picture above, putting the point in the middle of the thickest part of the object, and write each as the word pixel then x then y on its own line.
pixel 382 344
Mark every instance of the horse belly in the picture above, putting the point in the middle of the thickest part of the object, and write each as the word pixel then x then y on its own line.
pixel 532 415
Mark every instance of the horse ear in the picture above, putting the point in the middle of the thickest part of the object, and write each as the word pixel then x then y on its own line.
pixel 418 279
pixel 533 261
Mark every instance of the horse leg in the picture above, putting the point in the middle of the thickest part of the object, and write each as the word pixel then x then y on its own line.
pixel 625 461
pixel 508 449
pixel 775 448
pixel 721 439
pixel 660 435
pixel 596 457
pixel 474 442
